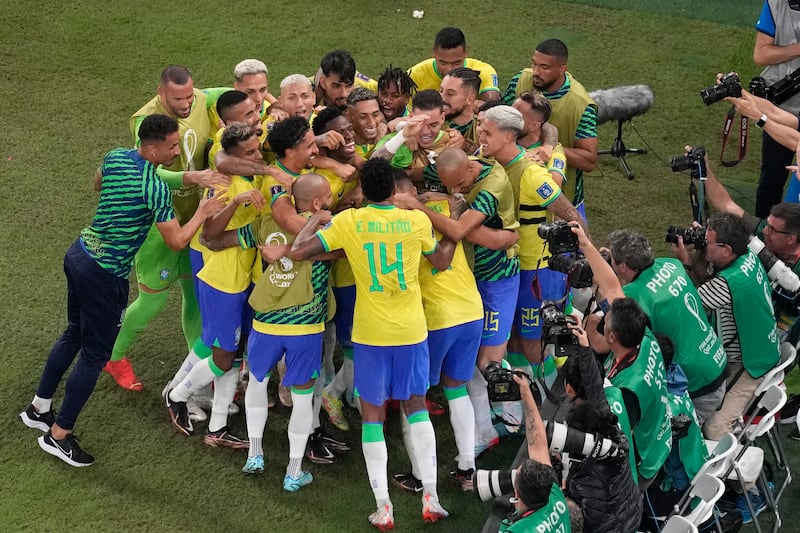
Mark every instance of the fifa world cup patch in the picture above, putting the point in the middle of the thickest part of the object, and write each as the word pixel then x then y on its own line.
pixel 545 190
pixel 494 80
pixel 164 274
pixel 559 164
pixel 275 190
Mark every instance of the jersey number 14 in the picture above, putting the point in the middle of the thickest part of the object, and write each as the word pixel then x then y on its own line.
pixel 386 268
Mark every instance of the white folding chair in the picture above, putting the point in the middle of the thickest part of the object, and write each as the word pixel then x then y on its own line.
pixel 748 466
pixel 708 490
pixel 679 524
pixel 720 454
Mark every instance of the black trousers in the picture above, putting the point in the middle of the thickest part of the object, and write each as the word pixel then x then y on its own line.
pixel 774 158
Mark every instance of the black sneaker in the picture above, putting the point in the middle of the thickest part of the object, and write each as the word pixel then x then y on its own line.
pixel 66 449
pixel 223 437
pixel 795 434
pixel 331 443
pixel 179 415
pixel 35 420
pixel 317 452
pixel 463 478
pixel 407 482
pixel 788 413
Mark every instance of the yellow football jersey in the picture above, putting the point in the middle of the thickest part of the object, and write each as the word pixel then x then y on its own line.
pixel 536 190
pixel 426 75
pixel 338 187
pixel 384 245
pixel 557 162
pixel 449 297
pixel 230 270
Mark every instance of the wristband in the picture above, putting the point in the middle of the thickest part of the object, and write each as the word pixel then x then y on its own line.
pixel 394 144
pixel 760 122
pixel 173 179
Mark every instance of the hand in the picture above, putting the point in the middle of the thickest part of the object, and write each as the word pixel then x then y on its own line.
pixel 580 334
pixel 534 156
pixel 330 140
pixel 456 140
pixel 747 105
pixel 414 125
pixel 281 177
pixel 277 113
pixel 253 196
pixel 344 170
pixel 321 217
pixel 680 251
pixel 211 206
pixel 211 178
pixel 583 239
pixel 272 252
pixel 545 151
pixel 406 201
pixel 524 390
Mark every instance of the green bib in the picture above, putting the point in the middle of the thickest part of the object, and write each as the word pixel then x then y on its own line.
pixel 617 406
pixel 645 377
pixel 194 132
pixel 692 447
pixel 670 300
pixel 753 313
pixel 552 518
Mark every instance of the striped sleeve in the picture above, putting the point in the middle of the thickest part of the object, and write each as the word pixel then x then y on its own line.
pixel 511 91
pixel 715 293
pixel 587 127
pixel 157 195
pixel 485 203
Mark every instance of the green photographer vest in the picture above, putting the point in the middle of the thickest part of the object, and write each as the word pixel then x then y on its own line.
pixel 691 448
pixel 645 377
pixel 670 300
pixel 566 115
pixel 752 311
pixel 617 406
pixel 194 132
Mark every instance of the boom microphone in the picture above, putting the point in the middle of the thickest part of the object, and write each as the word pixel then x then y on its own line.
pixel 622 103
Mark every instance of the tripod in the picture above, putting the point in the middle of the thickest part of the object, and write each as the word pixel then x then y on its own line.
pixel 619 150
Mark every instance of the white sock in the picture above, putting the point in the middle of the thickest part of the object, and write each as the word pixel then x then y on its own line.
pixel 317 404
pixel 42 405
pixel 224 391
pixel 188 363
pixel 299 428
pixel 376 456
pixel 421 432
pixel 328 345
pixel 462 418
pixel 409 442
pixel 256 413
pixel 479 396
pixel 198 377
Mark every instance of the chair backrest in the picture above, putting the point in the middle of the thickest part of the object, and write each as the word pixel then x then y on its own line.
pixel 775 375
pixel 709 490
pixel 720 457
pixel 679 524
pixel 773 399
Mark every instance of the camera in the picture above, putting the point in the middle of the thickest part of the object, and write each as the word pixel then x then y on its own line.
pixel 490 484
pixel 564 254
pixel 693 160
pixel 680 425
pixel 500 383
pixel 691 236
pixel 559 237
pixel 778 92
pixel 777 271
pixel 729 85
pixel 555 330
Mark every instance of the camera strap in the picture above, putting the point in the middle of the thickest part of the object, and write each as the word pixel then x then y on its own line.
pixel 726 131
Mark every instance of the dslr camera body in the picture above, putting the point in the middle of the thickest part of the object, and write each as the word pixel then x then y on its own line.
pixel 729 85
pixel 691 236
pixel 564 254
pixel 694 160
pixel 555 330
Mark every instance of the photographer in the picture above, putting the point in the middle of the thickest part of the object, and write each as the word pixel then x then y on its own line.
pixel 776 48
pixel 780 232
pixel 605 488
pixel 663 290
pixel 538 501
pixel 736 294
pixel 634 365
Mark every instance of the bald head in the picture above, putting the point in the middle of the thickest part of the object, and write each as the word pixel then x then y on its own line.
pixel 311 193
pixel 452 166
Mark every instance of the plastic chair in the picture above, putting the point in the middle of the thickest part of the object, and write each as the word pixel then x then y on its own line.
pixel 679 524
pixel 748 466
pixel 709 490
